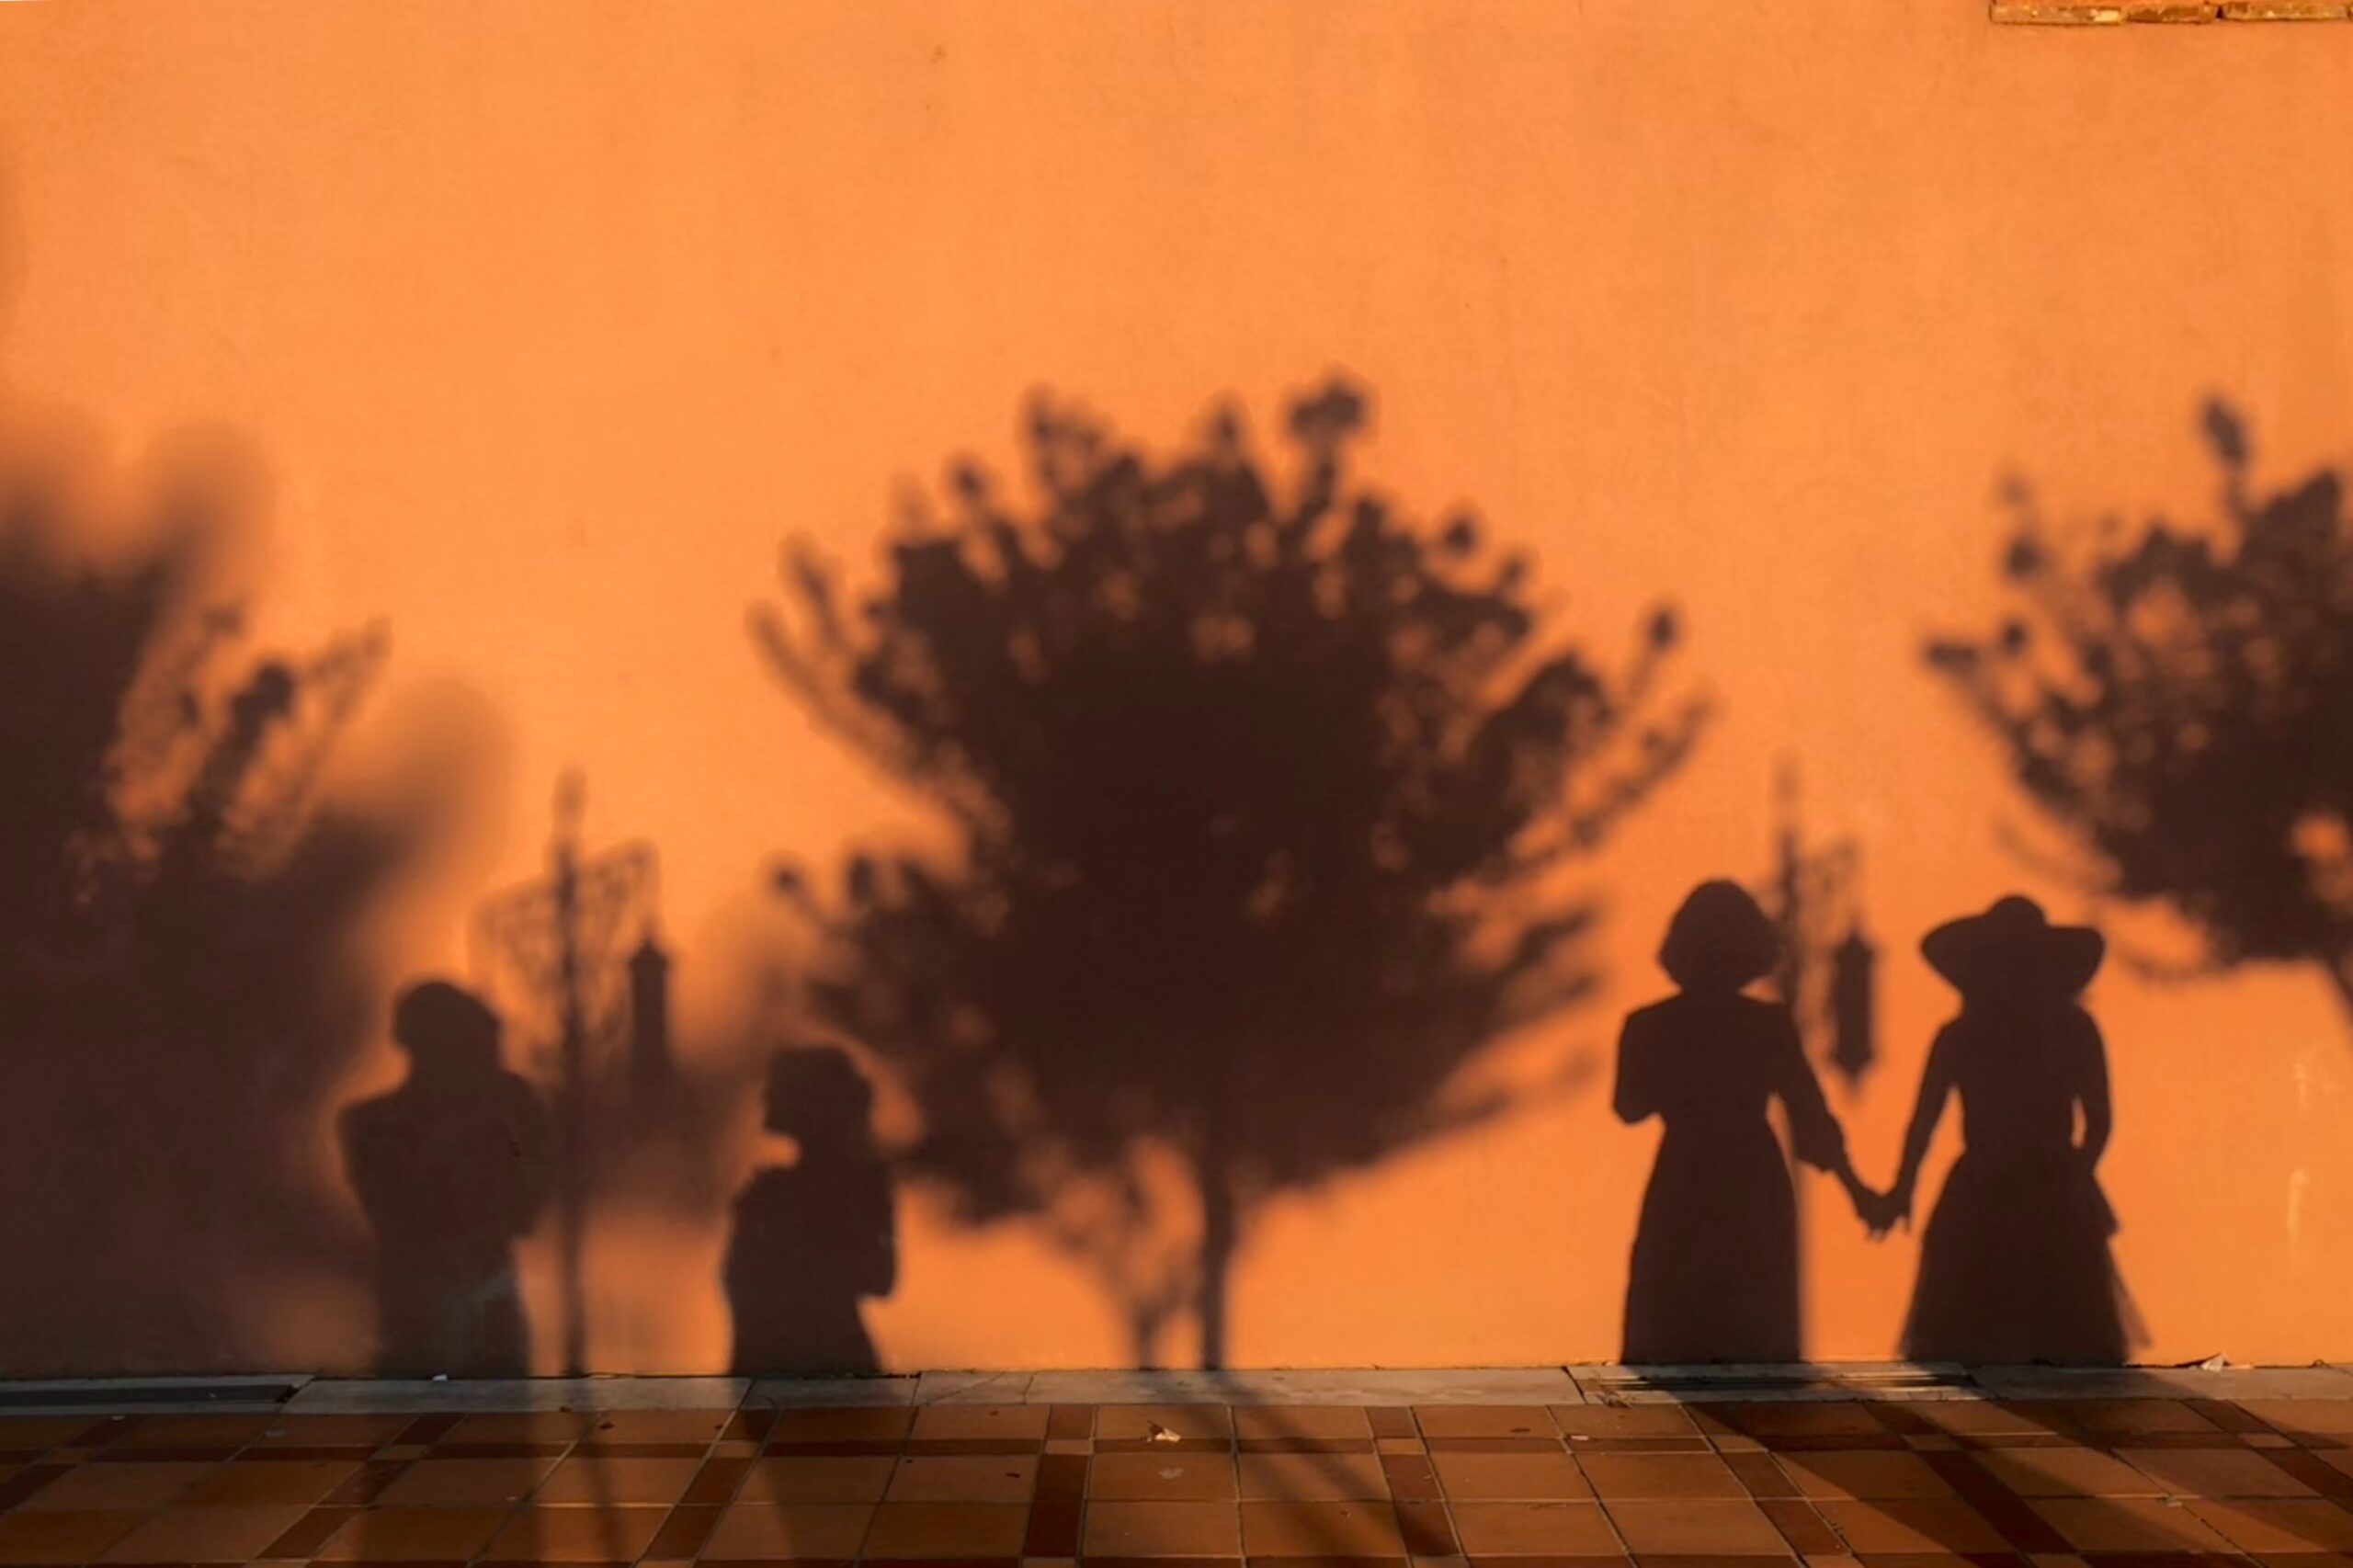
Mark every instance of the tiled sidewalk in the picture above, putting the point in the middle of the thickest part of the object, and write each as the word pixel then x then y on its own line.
pixel 2114 1484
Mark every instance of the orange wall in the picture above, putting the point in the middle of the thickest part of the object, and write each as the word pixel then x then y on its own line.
pixel 553 318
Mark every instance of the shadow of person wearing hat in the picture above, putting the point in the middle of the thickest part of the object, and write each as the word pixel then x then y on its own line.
pixel 2015 1265
pixel 1714 1273
pixel 814 1238
pixel 450 1168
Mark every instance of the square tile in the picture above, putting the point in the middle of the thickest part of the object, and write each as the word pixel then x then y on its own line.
pixel 1131 1423
pixel 441 1483
pixel 1312 1478
pixel 1172 1477
pixel 2279 1526
pixel 1945 1525
pixel 1485 1421
pixel 1559 1528
pixel 1686 1526
pixel 331 1431
pixel 1988 1418
pixel 523 1427
pixel 1863 1472
pixel 1027 1422
pixel 1826 1418
pixel 1317 1422
pixel 993 1478
pixel 1532 1477
pixel 192 1431
pixel 2128 1523
pixel 2214 1473
pixel 205 1535
pixel 609 1482
pixel 1616 1475
pixel 948 1530
pixel 855 1424
pixel 260 1482
pixel 2134 1417
pixel 768 1531
pixel 62 1535
pixel 860 1478
pixel 36 1434
pixel 2315 1417
pixel 2070 1471
pixel 659 1426
pixel 414 1535
pixel 1162 1529
pixel 616 1534
pixel 139 1486
pixel 1321 1529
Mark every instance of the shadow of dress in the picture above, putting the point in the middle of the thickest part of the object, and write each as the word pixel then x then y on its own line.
pixel 1714 1275
pixel 2016 1264
pixel 809 1241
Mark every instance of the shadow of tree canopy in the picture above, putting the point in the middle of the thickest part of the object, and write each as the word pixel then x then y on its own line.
pixel 1262 793
pixel 2176 699
pixel 185 906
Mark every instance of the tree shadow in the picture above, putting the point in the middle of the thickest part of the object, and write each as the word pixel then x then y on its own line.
pixel 1263 795
pixel 195 877
pixel 2173 699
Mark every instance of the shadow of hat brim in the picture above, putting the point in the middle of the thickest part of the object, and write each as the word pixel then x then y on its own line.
pixel 1972 955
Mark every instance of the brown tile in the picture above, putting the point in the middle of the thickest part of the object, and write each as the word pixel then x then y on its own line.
pixel 1802 1526
pixel 2315 1417
pixel 2133 1417
pixel 259 1483
pixel 2127 1524
pixel 1162 1478
pixel 1826 1418
pixel 1320 1478
pixel 414 1535
pixel 1426 1530
pixel 615 1534
pixel 1561 1528
pixel 1530 1477
pixel 2215 1472
pixel 749 1427
pixel 1139 1422
pixel 1391 1421
pixel 331 1431
pixel 1052 1531
pixel 62 1535
pixel 1061 1478
pixel 1864 1473
pixel 718 1482
pixel 1008 1478
pixel 1161 1529
pixel 36 1434
pixel 441 1483
pixel 2297 1525
pixel 205 1535
pixel 698 1427
pixel 1485 1421
pixel 193 1431
pixel 429 1429
pixel 1987 1418
pixel 609 1481
pixel 522 1427
pixel 2326 1470
pixel 1883 1524
pixel 857 1424
pixel 1661 1475
pixel 1684 1526
pixel 1321 1529
pixel 24 1482
pixel 1623 1421
pixel 310 1532
pixel 1276 1421
pixel 138 1486
pixel 1069 1421
pixel 682 1534
pixel 1761 1474
pixel 820 1479
pixel 1008 1421
pixel 948 1529
pixel 1410 1477
pixel 770 1532
pixel 2069 1472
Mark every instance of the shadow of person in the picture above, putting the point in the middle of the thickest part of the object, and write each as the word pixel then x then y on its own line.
pixel 812 1238
pixel 1714 1273
pixel 2015 1265
pixel 450 1169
